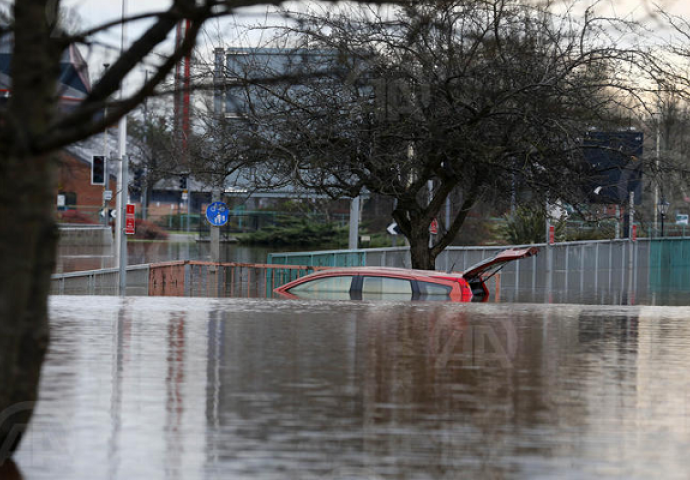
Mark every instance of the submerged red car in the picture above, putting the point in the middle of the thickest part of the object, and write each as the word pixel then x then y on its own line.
pixel 387 283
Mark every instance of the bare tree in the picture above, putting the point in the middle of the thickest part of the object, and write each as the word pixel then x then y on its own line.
pixel 667 113
pixel 467 96
pixel 31 131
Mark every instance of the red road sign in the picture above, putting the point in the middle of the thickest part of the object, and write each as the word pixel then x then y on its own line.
pixel 129 226
pixel 552 234
pixel 129 220
pixel 634 233
pixel 433 228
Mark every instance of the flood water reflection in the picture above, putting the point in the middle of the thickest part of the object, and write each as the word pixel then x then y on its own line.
pixel 220 388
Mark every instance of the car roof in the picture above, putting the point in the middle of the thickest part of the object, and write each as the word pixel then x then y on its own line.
pixel 476 270
pixel 385 271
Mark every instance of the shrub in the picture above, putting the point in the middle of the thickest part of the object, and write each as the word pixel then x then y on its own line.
pixel 301 232
pixel 145 230
pixel 75 216
pixel 591 231
pixel 527 226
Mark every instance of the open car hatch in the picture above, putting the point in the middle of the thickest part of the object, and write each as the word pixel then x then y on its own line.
pixel 486 268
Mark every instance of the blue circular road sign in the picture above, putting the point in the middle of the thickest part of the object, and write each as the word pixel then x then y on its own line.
pixel 217 214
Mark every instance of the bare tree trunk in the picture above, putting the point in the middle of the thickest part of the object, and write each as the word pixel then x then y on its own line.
pixel 28 237
pixel 414 225
pixel 28 234
pixel 421 254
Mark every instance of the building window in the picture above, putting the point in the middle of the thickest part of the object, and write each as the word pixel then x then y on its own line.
pixel 70 200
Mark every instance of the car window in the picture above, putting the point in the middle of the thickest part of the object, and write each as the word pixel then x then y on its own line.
pixel 340 284
pixel 433 289
pixel 374 288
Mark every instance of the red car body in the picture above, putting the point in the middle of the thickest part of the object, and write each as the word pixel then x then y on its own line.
pixel 371 283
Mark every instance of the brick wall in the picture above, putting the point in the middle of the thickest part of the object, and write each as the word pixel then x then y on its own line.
pixel 75 176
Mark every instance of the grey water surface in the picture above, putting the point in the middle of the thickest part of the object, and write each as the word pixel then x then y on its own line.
pixel 187 388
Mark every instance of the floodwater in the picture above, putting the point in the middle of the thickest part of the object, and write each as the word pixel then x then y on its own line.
pixel 191 388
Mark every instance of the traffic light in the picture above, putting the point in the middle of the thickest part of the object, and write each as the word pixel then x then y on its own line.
pixel 183 182
pixel 137 180
pixel 98 170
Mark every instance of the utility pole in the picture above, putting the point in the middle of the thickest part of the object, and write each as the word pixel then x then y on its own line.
pixel 123 183
pixel 352 243
pixel 656 180
pixel 218 110
pixel 106 185
pixel 121 214
pixel 430 187
pixel 181 105
pixel 549 252
pixel 144 179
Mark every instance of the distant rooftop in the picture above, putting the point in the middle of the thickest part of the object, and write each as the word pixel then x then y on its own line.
pixel 74 72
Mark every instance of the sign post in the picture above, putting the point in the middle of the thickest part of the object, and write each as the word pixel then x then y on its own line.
pixel 217 215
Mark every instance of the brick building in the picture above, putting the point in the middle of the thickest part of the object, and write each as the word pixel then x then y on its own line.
pixel 74 180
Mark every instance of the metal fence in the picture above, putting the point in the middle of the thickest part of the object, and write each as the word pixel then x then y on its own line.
pixel 592 268
pixel 101 282
pixel 182 278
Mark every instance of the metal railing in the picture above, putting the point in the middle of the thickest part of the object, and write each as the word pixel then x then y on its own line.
pixel 182 278
pixel 587 267
pixel 101 282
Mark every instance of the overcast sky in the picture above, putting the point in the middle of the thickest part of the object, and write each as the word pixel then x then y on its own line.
pixel 95 12
pixel 98 10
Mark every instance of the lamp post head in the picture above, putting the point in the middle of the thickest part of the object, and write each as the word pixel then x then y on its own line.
pixel 663 207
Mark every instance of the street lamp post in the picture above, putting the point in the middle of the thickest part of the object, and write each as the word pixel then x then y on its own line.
pixel 123 182
pixel 663 210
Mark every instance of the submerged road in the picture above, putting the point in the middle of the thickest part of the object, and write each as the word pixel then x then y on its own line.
pixel 268 389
